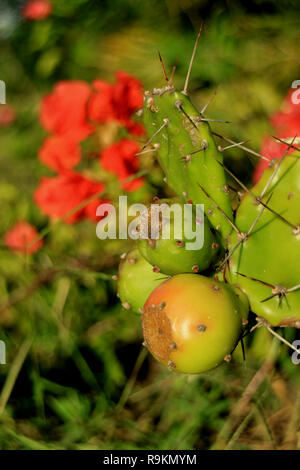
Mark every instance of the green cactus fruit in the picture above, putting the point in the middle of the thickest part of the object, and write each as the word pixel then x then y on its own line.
pixel 187 153
pixel 265 263
pixel 187 247
pixel 136 280
pixel 192 323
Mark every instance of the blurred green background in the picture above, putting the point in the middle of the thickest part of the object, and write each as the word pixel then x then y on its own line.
pixel 76 374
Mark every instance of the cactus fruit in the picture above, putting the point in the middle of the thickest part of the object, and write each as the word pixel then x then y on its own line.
pixel 192 323
pixel 136 280
pixel 173 255
pixel 266 264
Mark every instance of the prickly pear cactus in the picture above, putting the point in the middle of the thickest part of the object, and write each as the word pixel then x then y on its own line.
pixel 191 322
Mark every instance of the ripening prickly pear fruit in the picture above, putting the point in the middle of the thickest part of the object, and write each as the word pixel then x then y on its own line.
pixel 136 280
pixel 266 263
pixel 188 154
pixel 183 243
pixel 192 323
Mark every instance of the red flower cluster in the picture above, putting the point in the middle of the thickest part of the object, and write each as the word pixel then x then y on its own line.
pixel 71 113
pixel 60 153
pixel 21 238
pixel 120 158
pixel 37 9
pixel 60 196
pixel 64 111
pixel 117 102
pixel 287 125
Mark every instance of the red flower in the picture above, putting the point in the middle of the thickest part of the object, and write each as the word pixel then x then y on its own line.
pixel 21 236
pixel 37 9
pixel 102 108
pixel 128 96
pixel 64 111
pixel 7 115
pixel 60 153
pixel 120 159
pixel 57 196
pixel 271 148
pixel 287 125
pixel 117 102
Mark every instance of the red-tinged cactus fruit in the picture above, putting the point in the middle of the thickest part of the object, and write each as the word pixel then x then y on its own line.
pixel 136 280
pixel 173 255
pixel 192 323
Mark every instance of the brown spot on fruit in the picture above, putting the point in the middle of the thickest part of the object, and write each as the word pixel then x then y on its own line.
pixel 195 268
pixel 157 332
pixel 201 328
pixel 227 358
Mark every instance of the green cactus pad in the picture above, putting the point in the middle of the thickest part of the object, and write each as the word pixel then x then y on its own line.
pixel 271 254
pixel 187 153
